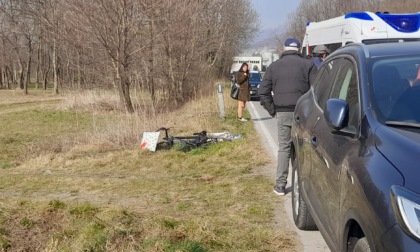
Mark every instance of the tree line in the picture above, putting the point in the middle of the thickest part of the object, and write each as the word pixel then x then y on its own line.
pixel 167 49
pixel 318 10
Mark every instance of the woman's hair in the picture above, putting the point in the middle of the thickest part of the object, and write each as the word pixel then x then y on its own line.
pixel 244 64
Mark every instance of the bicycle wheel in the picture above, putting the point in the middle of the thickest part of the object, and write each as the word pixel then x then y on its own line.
pixel 181 145
pixel 206 143
pixel 198 143
pixel 164 145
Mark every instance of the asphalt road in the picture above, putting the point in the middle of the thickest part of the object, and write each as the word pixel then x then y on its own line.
pixel 266 126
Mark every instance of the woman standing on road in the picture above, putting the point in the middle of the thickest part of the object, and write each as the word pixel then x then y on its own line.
pixel 242 78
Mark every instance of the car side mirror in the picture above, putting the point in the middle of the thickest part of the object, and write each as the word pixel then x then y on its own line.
pixel 336 114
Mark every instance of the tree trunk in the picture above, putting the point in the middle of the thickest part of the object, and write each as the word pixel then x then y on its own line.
pixel 79 71
pixel 38 67
pixel 151 64
pixel 45 79
pixel 20 73
pixel 29 65
pixel 9 77
pixel 123 87
pixel 55 68
pixel 127 98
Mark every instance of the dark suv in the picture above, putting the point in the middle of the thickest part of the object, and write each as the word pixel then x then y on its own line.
pixel 254 83
pixel 356 150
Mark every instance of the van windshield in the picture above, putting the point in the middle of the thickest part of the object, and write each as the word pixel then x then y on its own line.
pixel 388 40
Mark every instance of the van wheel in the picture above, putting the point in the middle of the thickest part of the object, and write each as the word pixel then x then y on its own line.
pixel 362 245
pixel 301 216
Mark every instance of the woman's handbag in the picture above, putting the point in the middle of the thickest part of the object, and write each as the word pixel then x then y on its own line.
pixel 234 92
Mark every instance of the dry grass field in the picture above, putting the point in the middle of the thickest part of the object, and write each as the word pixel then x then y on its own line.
pixel 72 178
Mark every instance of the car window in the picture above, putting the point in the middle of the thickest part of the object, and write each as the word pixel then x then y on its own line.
pixel 325 80
pixel 315 83
pixel 345 88
pixel 394 90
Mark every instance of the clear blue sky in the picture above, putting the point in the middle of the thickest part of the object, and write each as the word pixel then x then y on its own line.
pixel 273 13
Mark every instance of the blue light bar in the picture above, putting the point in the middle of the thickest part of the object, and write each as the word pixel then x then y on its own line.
pixel 359 15
pixel 402 22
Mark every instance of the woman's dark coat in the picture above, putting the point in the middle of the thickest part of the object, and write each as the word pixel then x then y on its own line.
pixel 242 80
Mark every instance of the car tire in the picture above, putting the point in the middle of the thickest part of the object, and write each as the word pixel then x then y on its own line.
pixel 362 245
pixel 301 216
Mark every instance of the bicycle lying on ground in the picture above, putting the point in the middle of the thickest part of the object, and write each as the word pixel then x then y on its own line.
pixel 184 143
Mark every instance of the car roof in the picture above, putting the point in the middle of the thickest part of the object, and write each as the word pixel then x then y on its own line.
pixel 384 49
pixel 405 48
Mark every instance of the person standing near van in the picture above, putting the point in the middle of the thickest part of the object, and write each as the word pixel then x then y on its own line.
pixel 319 54
pixel 242 78
pixel 284 82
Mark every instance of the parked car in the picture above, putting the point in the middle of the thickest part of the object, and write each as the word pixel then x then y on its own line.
pixel 356 150
pixel 254 82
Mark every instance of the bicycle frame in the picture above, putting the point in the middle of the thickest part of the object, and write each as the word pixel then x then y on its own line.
pixel 186 142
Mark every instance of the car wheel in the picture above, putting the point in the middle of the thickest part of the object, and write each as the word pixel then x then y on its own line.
pixel 362 245
pixel 301 216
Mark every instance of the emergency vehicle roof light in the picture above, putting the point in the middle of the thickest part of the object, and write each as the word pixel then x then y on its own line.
pixel 403 22
pixel 359 15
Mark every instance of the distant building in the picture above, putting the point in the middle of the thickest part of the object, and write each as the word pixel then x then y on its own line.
pixel 266 55
pixel 254 63
pixel 268 58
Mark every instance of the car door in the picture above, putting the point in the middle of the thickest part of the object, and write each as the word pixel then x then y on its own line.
pixel 321 90
pixel 331 150
pixel 304 118
pixel 307 113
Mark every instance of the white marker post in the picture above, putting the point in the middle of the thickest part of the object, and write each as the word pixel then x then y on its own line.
pixel 221 103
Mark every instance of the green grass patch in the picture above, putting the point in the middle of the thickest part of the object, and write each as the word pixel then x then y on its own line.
pixel 84 211
pixel 5 165
pixel 28 128
pixel 55 205
pixel 27 223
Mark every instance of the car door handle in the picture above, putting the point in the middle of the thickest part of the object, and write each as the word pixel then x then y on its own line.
pixel 314 142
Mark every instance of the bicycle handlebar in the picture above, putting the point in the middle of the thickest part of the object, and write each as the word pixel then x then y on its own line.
pixel 163 128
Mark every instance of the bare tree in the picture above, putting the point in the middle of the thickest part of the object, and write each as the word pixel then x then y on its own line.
pixel 115 25
pixel 402 6
pixel 13 34
pixel 168 49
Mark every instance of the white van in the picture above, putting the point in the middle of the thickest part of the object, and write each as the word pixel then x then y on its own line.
pixel 254 63
pixel 365 27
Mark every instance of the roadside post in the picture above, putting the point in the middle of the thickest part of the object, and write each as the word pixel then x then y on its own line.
pixel 221 103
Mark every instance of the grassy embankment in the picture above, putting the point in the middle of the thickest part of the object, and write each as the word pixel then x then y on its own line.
pixel 72 178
